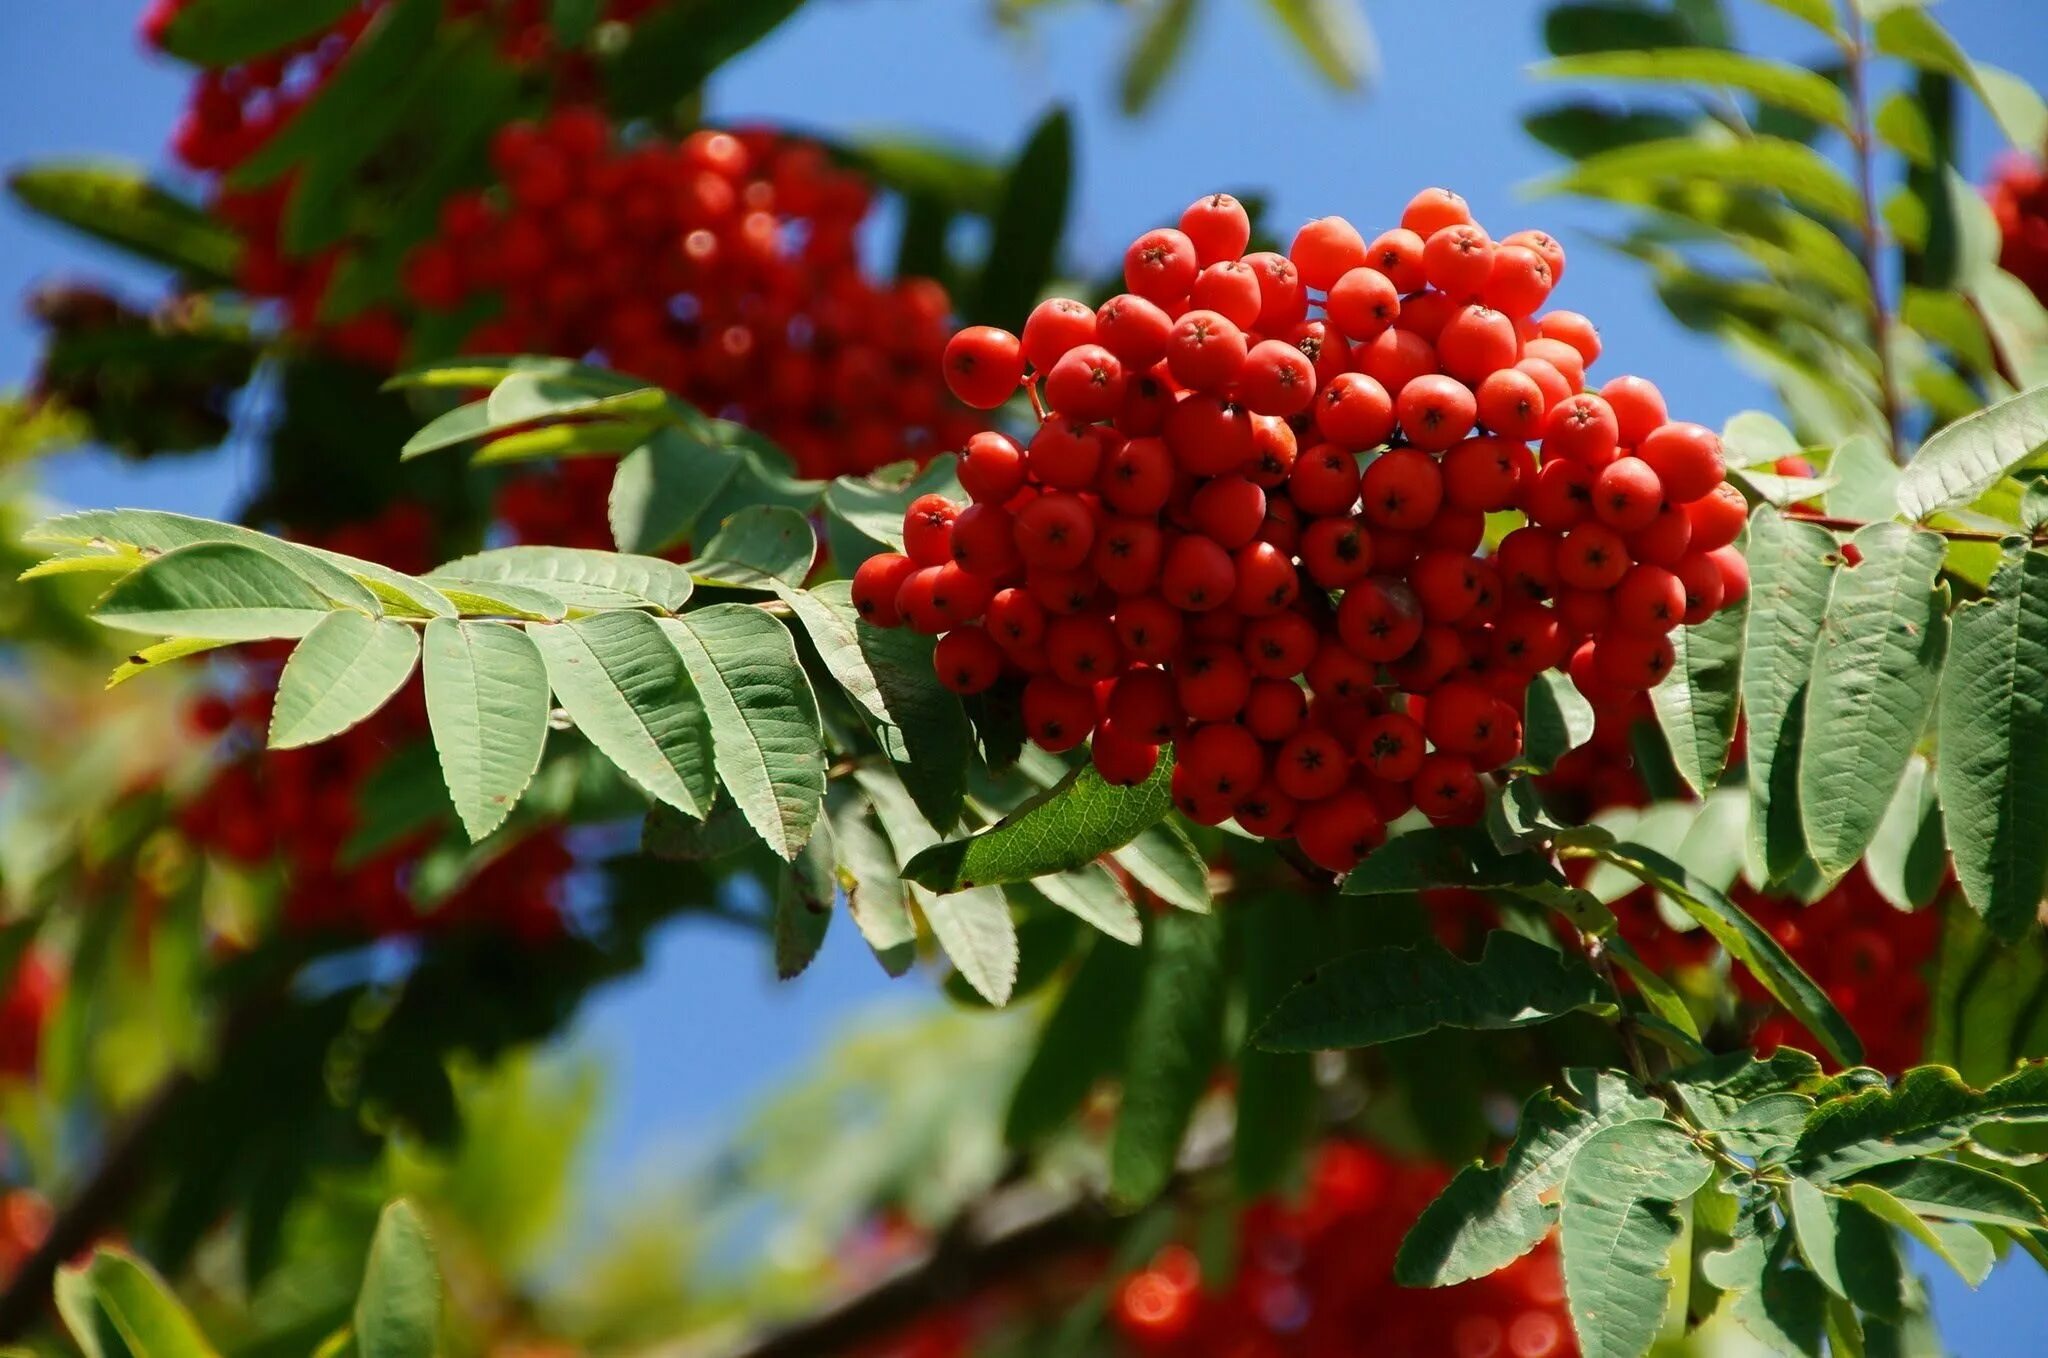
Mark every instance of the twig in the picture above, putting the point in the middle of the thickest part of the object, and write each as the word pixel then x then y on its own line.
pixel 1855 53
pixel 1958 534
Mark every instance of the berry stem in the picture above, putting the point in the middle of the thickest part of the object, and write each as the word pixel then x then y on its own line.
pixel 1954 534
pixel 1037 403
pixel 1855 55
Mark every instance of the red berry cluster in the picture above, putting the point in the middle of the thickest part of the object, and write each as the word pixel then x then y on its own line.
pixel 1317 1279
pixel 299 807
pixel 724 267
pixel 1195 527
pixel 25 1003
pixel 25 1218
pixel 2019 200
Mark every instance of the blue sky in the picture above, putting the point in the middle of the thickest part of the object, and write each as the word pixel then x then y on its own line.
pixel 706 1028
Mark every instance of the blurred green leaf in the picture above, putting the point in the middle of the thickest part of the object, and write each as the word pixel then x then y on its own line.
pixel 676 47
pixel 1175 1043
pixel 228 32
pixel 118 204
pixel 1024 246
pixel 1790 87
pixel 1332 36
pixel 1800 173
pixel 1163 33
pixel 398 1312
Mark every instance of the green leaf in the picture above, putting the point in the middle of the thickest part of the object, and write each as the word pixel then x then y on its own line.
pixel 1957 1192
pixel 1697 703
pixel 221 591
pixel 151 1321
pixel 1333 37
pixel 1785 1312
pixel 1799 172
pixel 161 653
pixel 1993 716
pixel 1875 675
pixel 1819 13
pixel 1024 246
pixel 1967 1252
pixel 760 547
pixel 888 672
pixel 662 487
pixel 1176 1041
pixel 129 533
pixel 1073 823
pixel 1165 862
pixel 398 1311
pixel 1581 128
pixel 620 680
pixel 487 704
pixel 765 735
pixel 1743 940
pixel 1384 994
pixel 876 896
pixel 1278 1101
pixel 1792 568
pixel 587 438
pixel 580 577
pixel 1849 1250
pixel 1570 29
pixel 1556 720
pixel 1963 460
pixel 1466 857
pixel 1913 35
pixel 118 204
pixel 1908 860
pixel 803 904
pixel 1928 1111
pixel 979 937
pixel 229 32
pixel 1866 481
pixel 1091 895
pixel 675 48
pixel 529 396
pixel 1082 1042
pixel 1491 1215
pixel 1162 37
pixel 501 599
pixel 348 666
pixel 873 506
pixel 1619 1226
pixel 1788 87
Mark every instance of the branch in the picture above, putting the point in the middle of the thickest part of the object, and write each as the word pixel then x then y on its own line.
pixel 1954 534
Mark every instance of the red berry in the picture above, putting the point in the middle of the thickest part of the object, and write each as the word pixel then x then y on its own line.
pixel 1219 227
pixel 1582 429
pixel 1208 435
pixel 1123 761
pixel 928 530
pixel 876 583
pixel 1520 281
pixel 1447 789
pixel 984 366
pixel 1087 383
pixel 1362 303
pixel 1627 494
pixel 966 661
pixel 1402 489
pixel 1325 250
pixel 1276 379
pixel 1143 705
pixel 1511 404
pixel 1572 329
pixel 1057 716
pixel 1700 576
pixel 1133 329
pixel 1231 290
pixel 1160 266
pixel 1477 342
pixel 1205 351
pixel 1717 517
pixel 1398 255
pixel 1379 620
pixel 1435 411
pixel 1638 408
pixel 1056 325
pixel 1650 600
pixel 1458 260
pixel 1065 453
pixel 1431 210
pixel 991 468
pixel 1283 299
pixel 1197 575
pixel 1686 456
pixel 1337 833
pixel 1311 765
pixel 1355 412
pixel 1055 531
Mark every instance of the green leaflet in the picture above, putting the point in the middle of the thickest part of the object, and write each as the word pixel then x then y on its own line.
pixel 1962 1249
pixel 1963 460
pixel 348 666
pixel 398 1311
pixel 1908 859
pixel 580 577
pixel 1165 862
pixel 1875 673
pixel 876 896
pixel 622 683
pixel 1030 221
pixel 1466 856
pixel 1384 994
pixel 1799 172
pixel 874 508
pixel 1491 1215
pixel 147 658
pixel 1090 894
pixel 805 891
pixel 1929 1110
pixel 1160 41
pixel 220 591
pixel 1278 1100
pixel 1789 87
pixel 765 735
pixel 1071 824
pixel 888 672
pixel 1911 34
pixel 1083 1041
pixel 1557 720
pixel 1744 941
pixel 117 204
pixel 1851 1251
pixel 1957 1192
pixel 224 32
pixel 1696 704
pixel 1619 1226
pixel 487 705
pixel 662 487
pixel 1176 1041
pixel 978 935
pixel 501 599
pixel 1792 567
pixel 137 1304
pixel 760 547
pixel 1993 717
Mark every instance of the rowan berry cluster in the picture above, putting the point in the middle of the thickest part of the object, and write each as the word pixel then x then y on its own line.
pixel 724 267
pixel 1317 1279
pixel 2019 200
pixel 1258 469
pixel 300 808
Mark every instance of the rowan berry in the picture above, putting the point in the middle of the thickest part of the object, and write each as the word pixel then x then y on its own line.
pixel 1686 456
pixel 1476 342
pixel 1394 358
pixel 1231 290
pixel 1267 812
pixel 1592 556
pixel 1197 575
pixel 1143 705
pixel 984 366
pixel 1425 314
pixel 1149 628
pixel 1086 383
pixel 1015 619
pixel 1447 790
pixel 1717 517
pixel 1650 600
pixel 1734 574
pixel 1205 351
pixel 1134 329
pixel 1544 244
pixel 1337 833
pixel 990 468
pixel 1630 661
pixel 1276 378
pixel 1266 581
pixel 1055 326
pixel 1137 478
pixel 1379 620
pixel 1219 226
pixel 967 661
pixel 984 541
pixel 1275 707
pixel 1311 765
pixel 1274 449
pixel 1627 495
pixel 1161 266
pixel 1325 250
pixel 1510 403
pixel 1638 408
pixel 1336 552
pixel 928 530
pixel 1362 303
pixel 1700 576
pixel 1057 716
pixel 1055 531
pixel 1520 280
pixel 1582 429
pixel 1128 554
pixel 1355 412
pixel 1283 298
pixel 1435 411
pixel 876 583
pixel 1482 474
pixel 1568 363
pixel 1209 435
pixel 1664 539
pixel 1121 759
pixel 1082 649
pixel 1398 255
pixel 1458 260
pixel 1336 673
pixel 1390 746
pixel 1575 330
pixel 1402 489
pixel 1432 210
pixel 1223 759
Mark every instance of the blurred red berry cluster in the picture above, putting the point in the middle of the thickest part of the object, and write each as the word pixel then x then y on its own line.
pixel 24 1221
pixel 2019 200
pixel 1239 437
pixel 1317 1280
pixel 26 998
